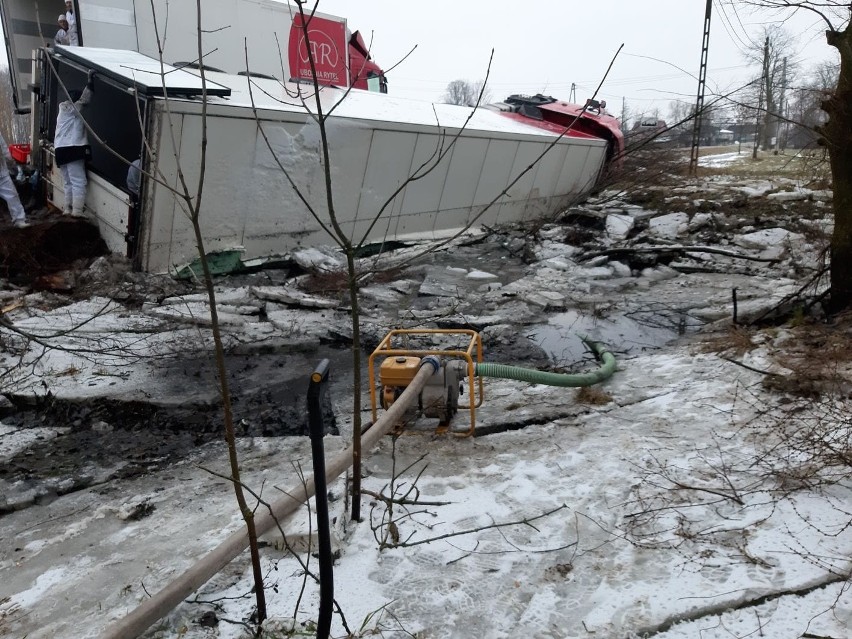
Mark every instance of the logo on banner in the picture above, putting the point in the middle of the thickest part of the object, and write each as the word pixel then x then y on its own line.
pixel 327 48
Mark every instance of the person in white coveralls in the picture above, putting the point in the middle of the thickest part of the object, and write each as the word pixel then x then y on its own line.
pixel 73 36
pixel 71 146
pixel 8 191
pixel 61 36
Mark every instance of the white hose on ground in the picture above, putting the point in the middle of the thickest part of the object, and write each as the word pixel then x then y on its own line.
pixel 163 602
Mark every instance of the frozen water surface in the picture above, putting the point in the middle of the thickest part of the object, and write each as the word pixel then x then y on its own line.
pixel 663 518
pixel 560 337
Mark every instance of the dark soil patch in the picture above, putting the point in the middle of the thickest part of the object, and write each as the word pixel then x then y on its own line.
pixel 109 439
pixel 27 255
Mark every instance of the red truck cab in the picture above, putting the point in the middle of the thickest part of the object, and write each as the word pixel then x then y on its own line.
pixel 362 69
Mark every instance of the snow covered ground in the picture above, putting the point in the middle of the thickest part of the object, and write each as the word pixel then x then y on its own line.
pixel 685 499
pixel 720 159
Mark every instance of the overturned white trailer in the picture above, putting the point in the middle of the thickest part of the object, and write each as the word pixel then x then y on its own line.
pixel 376 143
pixel 518 164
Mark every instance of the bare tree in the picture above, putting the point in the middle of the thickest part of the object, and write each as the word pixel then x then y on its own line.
pixel 188 194
pixel 351 243
pixel 775 54
pixel 190 197
pixel 804 108
pixel 681 117
pixel 627 115
pixel 466 93
pixel 834 134
pixel 680 110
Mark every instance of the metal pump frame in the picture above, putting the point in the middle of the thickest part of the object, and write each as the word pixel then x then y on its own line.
pixel 474 349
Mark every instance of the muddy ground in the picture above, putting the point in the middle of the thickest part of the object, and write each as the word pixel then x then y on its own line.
pixel 106 439
pixel 97 440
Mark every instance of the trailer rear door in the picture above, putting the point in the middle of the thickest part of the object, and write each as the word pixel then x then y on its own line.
pixel 25 30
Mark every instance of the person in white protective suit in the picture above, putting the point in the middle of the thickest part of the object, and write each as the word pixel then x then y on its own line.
pixel 71 17
pixel 134 177
pixel 62 36
pixel 8 191
pixel 71 145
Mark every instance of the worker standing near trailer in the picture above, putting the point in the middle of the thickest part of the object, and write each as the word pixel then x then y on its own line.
pixel 9 193
pixel 61 36
pixel 71 147
pixel 71 18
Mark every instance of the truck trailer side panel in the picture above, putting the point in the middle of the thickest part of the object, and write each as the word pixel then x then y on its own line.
pixel 248 203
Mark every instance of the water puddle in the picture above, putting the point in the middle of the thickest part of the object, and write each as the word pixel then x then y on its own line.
pixel 629 333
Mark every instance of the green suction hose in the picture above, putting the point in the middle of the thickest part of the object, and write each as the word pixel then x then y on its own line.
pixel 607 359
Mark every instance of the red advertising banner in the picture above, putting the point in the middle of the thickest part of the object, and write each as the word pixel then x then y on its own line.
pixel 329 50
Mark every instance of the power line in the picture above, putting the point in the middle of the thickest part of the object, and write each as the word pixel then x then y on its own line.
pixel 702 83
pixel 732 30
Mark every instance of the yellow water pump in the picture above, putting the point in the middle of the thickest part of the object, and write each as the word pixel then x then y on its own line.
pixel 439 396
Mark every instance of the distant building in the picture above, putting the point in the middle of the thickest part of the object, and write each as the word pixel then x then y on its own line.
pixel 724 136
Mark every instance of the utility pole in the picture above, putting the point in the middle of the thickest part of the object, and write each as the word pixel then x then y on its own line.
pixel 572 95
pixel 623 115
pixel 760 98
pixel 702 82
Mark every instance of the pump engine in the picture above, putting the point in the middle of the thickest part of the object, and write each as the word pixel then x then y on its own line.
pixel 439 397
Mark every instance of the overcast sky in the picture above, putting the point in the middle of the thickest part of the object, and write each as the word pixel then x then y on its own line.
pixel 546 45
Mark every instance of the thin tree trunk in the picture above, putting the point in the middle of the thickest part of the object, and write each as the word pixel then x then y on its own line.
pixel 356 369
pixel 230 437
pixel 224 388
